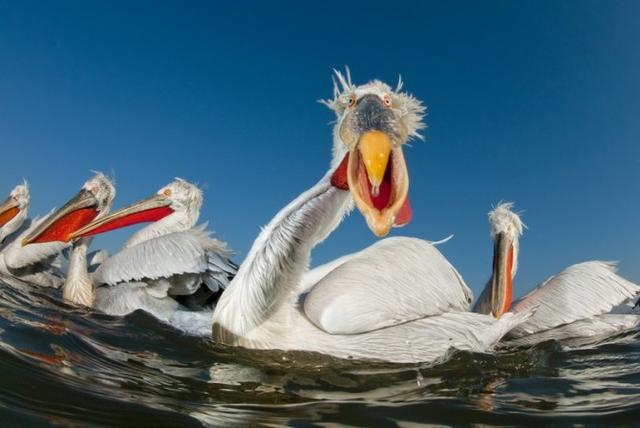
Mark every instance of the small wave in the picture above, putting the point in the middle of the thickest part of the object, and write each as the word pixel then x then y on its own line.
pixel 62 365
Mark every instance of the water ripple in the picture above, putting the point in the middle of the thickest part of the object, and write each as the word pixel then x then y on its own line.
pixel 65 366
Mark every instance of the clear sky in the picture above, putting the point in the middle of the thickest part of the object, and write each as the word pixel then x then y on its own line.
pixel 532 102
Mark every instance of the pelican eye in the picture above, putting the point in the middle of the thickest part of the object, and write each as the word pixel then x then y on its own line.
pixel 387 100
pixel 351 101
pixel 167 192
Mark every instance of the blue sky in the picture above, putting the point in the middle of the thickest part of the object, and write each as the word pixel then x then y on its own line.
pixel 532 102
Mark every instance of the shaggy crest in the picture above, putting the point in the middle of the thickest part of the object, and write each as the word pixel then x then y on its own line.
pixel 407 107
pixel 21 194
pixel 103 189
pixel 184 194
pixel 504 220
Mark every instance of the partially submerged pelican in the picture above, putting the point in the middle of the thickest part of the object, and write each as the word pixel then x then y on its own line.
pixel 38 265
pixel 271 304
pixel 275 303
pixel 93 200
pixel 172 254
pixel 576 302
pixel 159 264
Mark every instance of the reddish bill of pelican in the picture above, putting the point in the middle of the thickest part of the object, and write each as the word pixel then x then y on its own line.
pixel 502 278
pixel 147 210
pixel 8 210
pixel 62 229
pixel 59 226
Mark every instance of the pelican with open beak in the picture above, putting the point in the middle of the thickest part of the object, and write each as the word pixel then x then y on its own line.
pixel 374 123
pixel 354 307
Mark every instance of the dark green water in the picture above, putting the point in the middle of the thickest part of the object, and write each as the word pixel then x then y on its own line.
pixel 61 366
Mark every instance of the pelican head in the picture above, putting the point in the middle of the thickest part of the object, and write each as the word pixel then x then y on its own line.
pixel 373 123
pixel 91 202
pixel 14 210
pixel 506 230
pixel 179 199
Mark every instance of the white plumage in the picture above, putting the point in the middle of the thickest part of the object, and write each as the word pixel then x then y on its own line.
pixel 177 253
pixel 165 267
pixel 275 303
pixel 576 303
pixel 34 265
pixel 385 290
pixel 580 292
pixel 585 331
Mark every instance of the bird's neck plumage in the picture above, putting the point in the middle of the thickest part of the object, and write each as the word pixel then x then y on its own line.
pixel 18 257
pixel 12 226
pixel 78 286
pixel 178 221
pixel 272 272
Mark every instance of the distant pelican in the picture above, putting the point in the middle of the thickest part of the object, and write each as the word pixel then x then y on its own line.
pixel 167 259
pixel 576 302
pixel 172 255
pixel 92 201
pixel 38 265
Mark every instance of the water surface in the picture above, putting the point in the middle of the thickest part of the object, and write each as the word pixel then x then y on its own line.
pixel 64 366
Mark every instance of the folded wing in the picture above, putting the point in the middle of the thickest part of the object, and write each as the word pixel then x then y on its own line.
pixel 581 291
pixel 391 282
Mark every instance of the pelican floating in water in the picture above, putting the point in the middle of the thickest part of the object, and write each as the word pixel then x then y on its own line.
pixel 167 259
pixel 37 265
pixel 172 254
pixel 577 302
pixel 271 304
pixel 93 200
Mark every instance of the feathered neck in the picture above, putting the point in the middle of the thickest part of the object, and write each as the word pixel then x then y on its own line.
pixel 78 286
pixel 12 226
pixel 272 272
pixel 17 257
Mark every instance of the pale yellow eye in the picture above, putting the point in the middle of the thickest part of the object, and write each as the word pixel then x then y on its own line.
pixel 167 192
pixel 352 101
pixel 387 100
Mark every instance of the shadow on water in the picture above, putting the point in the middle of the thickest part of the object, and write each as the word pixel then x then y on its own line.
pixel 65 366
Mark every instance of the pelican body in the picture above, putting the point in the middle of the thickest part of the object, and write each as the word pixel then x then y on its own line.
pixel 38 265
pixel 577 302
pixel 345 308
pixel 172 255
pixel 160 269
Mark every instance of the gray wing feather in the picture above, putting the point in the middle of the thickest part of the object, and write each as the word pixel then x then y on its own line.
pixel 185 259
pixel 161 257
pixel 220 271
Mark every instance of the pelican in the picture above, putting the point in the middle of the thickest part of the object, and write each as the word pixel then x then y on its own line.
pixel 19 266
pixel 167 259
pixel 13 212
pixel 577 302
pixel 270 304
pixel 93 200
pixel 171 254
